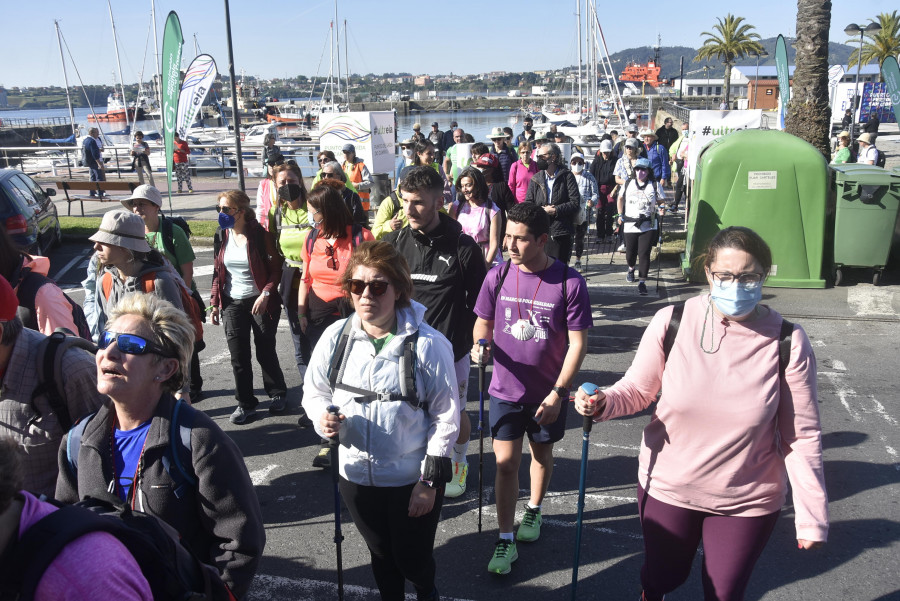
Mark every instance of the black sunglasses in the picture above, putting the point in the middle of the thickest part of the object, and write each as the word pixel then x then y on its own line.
pixel 329 174
pixel 331 262
pixel 226 210
pixel 131 344
pixel 378 287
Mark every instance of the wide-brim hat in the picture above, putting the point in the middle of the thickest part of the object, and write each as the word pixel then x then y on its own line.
pixel 497 132
pixel 145 191
pixel 121 228
pixel 844 134
pixel 408 142
pixel 867 138
pixel 648 132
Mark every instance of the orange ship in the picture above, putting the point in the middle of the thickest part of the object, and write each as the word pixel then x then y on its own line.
pixel 649 72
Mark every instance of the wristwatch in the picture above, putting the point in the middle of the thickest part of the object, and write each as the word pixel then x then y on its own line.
pixel 428 483
pixel 265 293
pixel 562 392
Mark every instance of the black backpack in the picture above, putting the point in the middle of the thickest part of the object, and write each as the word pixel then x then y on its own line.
pixel 169 567
pixel 165 229
pixel 50 354
pixel 29 283
pixel 882 158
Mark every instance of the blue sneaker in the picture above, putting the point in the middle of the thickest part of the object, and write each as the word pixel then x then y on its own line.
pixel 629 277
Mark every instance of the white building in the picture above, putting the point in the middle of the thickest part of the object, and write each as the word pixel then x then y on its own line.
pixel 742 75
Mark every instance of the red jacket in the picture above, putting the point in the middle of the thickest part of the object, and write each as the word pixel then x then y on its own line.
pixel 265 264
pixel 181 151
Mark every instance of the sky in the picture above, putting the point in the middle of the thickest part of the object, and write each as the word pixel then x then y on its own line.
pixel 290 37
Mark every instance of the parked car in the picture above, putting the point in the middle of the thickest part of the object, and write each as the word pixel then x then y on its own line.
pixel 27 212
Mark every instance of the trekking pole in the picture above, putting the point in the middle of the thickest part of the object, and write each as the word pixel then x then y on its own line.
pixel 658 253
pixel 481 343
pixel 589 389
pixel 338 535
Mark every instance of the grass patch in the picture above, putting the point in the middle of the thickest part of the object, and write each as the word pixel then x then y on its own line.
pixel 79 228
pixel 673 243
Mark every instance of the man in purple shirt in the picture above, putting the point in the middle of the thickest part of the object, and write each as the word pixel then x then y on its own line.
pixel 535 312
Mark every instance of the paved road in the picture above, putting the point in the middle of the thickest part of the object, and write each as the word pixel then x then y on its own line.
pixel 854 330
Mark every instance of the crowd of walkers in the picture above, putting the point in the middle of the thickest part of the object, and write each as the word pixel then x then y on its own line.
pixel 468 262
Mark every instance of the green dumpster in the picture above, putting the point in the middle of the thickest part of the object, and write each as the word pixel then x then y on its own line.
pixel 867 201
pixel 771 182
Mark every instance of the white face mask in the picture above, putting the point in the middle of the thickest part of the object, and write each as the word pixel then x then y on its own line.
pixel 577 167
pixel 408 153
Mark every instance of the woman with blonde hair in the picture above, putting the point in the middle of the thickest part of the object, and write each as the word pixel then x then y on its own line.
pixel 246 274
pixel 200 485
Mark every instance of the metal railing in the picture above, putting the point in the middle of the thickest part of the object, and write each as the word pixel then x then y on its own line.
pixel 17 122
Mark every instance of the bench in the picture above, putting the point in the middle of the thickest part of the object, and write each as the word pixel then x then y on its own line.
pixel 97 187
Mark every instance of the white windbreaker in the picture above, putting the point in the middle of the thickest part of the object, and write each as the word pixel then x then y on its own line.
pixel 384 443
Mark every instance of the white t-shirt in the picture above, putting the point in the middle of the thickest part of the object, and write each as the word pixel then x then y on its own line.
pixel 869 154
pixel 641 202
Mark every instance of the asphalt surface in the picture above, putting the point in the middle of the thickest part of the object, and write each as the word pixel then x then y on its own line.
pixel 854 330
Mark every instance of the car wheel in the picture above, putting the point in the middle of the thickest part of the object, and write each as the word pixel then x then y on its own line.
pixel 57 235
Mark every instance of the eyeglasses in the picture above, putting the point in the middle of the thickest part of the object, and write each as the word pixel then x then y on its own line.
pixel 748 281
pixel 226 210
pixel 131 344
pixel 330 174
pixel 331 262
pixel 323 160
pixel 378 287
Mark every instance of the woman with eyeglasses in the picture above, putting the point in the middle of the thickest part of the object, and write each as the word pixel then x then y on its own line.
pixel 396 418
pixel 323 158
pixel 125 448
pixel 333 175
pixel 641 206
pixel 479 217
pixel 737 421
pixel 246 274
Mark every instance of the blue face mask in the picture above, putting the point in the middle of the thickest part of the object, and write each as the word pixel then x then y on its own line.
pixel 226 221
pixel 735 301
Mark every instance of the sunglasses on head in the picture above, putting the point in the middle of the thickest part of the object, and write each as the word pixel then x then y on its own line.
pixel 378 287
pixel 131 344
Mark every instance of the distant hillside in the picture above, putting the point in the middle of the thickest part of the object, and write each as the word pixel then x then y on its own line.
pixel 670 57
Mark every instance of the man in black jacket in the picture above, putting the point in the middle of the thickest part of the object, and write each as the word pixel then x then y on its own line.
pixel 667 135
pixel 555 189
pixel 447 269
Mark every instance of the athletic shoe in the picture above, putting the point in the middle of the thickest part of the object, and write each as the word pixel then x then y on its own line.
pixel 190 191
pixel 241 415
pixel 642 288
pixel 303 421
pixel 504 554
pixel 629 277
pixel 278 404
pixel 578 265
pixel 323 458
pixel 621 248
pixel 457 486
pixel 530 528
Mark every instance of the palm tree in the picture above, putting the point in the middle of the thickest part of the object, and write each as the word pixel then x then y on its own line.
pixel 808 114
pixel 879 46
pixel 733 41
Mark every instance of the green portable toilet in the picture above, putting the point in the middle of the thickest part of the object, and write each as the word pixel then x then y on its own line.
pixel 866 201
pixel 772 182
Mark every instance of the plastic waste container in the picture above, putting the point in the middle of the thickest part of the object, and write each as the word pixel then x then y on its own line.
pixel 866 205
pixel 381 188
pixel 772 182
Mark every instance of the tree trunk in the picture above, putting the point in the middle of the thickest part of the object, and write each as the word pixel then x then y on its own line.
pixel 808 115
pixel 727 83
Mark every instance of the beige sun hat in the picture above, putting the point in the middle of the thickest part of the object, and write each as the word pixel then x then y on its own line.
pixel 121 228
pixel 496 132
pixel 648 132
pixel 145 191
pixel 867 138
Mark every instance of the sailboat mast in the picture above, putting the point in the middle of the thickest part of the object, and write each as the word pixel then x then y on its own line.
pixel 156 50
pixel 65 76
pixel 119 63
pixel 580 61
pixel 331 67
pixel 347 63
pixel 337 46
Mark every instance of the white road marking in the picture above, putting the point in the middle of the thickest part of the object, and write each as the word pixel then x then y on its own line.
pixel 59 274
pixel 817 342
pixel 838 365
pixel 843 391
pixel 880 410
pixel 216 359
pixel 616 446
pixel 258 477
pixel 869 300
pixel 203 270
pixel 278 588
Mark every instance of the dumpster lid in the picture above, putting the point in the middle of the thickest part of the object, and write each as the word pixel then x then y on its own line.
pixel 865 174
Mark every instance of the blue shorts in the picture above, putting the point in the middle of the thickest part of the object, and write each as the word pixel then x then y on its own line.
pixel 512 421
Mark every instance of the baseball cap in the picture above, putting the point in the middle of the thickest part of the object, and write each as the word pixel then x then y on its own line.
pixel 606 146
pixel 487 160
pixel 348 148
pixel 576 155
pixel 632 143
pixel 435 124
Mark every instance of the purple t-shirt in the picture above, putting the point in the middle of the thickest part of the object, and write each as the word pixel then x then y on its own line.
pixel 94 566
pixel 525 371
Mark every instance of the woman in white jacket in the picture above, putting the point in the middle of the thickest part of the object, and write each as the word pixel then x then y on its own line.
pixel 397 416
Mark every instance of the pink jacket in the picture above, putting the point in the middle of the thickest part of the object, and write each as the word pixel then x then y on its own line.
pixel 727 434
pixel 51 309
pixel 519 178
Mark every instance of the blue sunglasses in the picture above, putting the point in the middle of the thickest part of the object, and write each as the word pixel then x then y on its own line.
pixel 131 344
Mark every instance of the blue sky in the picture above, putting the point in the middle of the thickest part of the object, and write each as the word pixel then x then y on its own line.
pixel 288 37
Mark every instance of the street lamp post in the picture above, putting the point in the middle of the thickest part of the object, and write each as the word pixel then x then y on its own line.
pixel 853 30
pixel 761 54
pixel 708 88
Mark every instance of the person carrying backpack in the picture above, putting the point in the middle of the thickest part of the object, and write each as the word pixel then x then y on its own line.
pixel 111 572
pixel 169 235
pixel 737 421
pixel 46 383
pixel 43 306
pixel 390 376
pixel 157 454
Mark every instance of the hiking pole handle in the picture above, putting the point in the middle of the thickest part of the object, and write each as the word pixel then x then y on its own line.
pixel 335 411
pixel 590 390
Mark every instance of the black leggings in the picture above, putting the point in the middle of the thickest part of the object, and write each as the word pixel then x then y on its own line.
pixel 401 547
pixel 560 247
pixel 580 231
pixel 638 246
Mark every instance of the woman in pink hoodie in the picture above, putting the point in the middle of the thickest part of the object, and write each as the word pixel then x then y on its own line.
pixel 521 172
pixel 733 426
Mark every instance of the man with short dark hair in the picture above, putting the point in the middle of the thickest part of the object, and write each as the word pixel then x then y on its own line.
pixel 555 189
pixel 93 160
pixel 667 135
pixel 447 268
pixel 528 134
pixel 534 311
pixel 447 140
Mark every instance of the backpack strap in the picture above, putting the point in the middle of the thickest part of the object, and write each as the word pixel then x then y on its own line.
pixel 784 346
pixel 395 202
pixel 73 443
pixel 503 272
pixel 180 428
pixel 357 235
pixel 672 330
pixel 311 241
pixel 168 237
pixel 51 374
pixel 26 283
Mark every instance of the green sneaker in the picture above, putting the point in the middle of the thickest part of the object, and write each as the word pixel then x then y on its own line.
pixel 504 554
pixel 457 486
pixel 530 528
